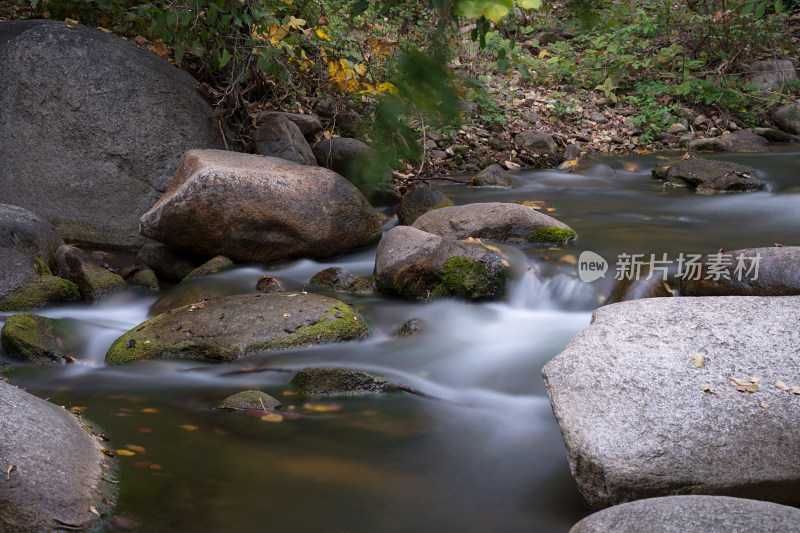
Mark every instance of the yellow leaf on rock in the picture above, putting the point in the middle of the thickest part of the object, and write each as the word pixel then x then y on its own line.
pixel 697 360
pixel 72 21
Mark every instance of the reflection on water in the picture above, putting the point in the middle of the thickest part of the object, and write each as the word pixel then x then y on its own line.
pixel 485 456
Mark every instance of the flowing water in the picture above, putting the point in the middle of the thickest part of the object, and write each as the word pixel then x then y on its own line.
pixel 486 457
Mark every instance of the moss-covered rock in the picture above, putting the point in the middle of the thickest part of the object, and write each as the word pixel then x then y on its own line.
pixel 467 279
pixel 551 235
pixel 145 278
pixel 31 338
pixel 418 202
pixel 228 328
pixel 340 280
pixel 707 177
pixel 410 328
pixel 93 280
pixel 26 283
pixel 250 399
pixel 212 266
pixel 339 382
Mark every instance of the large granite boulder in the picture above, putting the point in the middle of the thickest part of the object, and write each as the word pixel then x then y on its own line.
pixel 92 128
pixel 740 141
pixel 52 468
pixel 498 221
pixel 28 233
pixel 788 118
pixel 670 396
pixel 229 328
pixel 280 137
pixel 771 271
pixel 251 208
pixel 27 283
pixel 708 177
pixel 359 163
pixel 681 514
pixel 420 265
pixel 772 75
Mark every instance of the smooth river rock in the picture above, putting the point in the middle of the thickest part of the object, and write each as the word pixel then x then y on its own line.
pixel 419 201
pixel 683 514
pixel 93 280
pixel 251 208
pixel 57 467
pixel 420 265
pixel 773 271
pixel 647 405
pixel 229 328
pixel 28 233
pixel 740 141
pixel 707 177
pixel 498 221
pixel 92 128
pixel 27 283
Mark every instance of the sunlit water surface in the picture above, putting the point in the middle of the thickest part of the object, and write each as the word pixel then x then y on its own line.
pixel 485 456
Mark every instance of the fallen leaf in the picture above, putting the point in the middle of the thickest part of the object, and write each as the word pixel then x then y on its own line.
pixel 144 430
pixel 135 448
pixel 765 405
pixel 155 467
pixel 705 387
pixel 323 408
pixel 108 478
pixel 8 472
pixel 189 427
pixel 125 453
pixel 142 464
pixel 272 417
pixel 781 385
pixel 754 379
pixel 72 21
pixel 93 510
pixel 795 389
pixel 107 452
pixel 697 360
pixel 148 410
pixel 286 315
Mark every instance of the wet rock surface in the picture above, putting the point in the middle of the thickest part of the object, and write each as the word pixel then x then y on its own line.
pixel 34 339
pixel 648 402
pixel 229 328
pixel 28 233
pixel 93 280
pixel 419 201
pixel 339 382
pixel 250 399
pixel 340 280
pixel 707 177
pixel 26 283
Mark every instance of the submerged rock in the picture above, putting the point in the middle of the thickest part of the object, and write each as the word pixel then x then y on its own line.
pixel 709 176
pixel 419 201
pixel 52 467
pixel 648 402
pixel 411 327
pixel 92 128
pixel 750 272
pixel 493 176
pixel 212 266
pixel 251 208
pixel 28 233
pixel 339 382
pixel 505 222
pixel 93 280
pixel 416 264
pixel 229 328
pixel 33 338
pixel 681 514
pixel 250 399
pixel 340 280
pixel 27 283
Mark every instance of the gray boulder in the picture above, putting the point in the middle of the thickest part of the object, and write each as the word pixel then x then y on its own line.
pixel 166 263
pixel 670 396
pixel 492 176
pixel 309 125
pixel 497 221
pixel 536 141
pixel 740 141
pixel 280 137
pixel 229 328
pixel 360 164
pixel 772 75
pixel 680 514
pixel 212 266
pixel 107 123
pixel 708 177
pixel 94 281
pixel 419 201
pixel 35 339
pixel 27 283
pixel 28 233
pixel 251 208
pixel 788 118
pixel 340 280
pixel 419 265
pixel 250 399
pixel 749 272
pixel 52 467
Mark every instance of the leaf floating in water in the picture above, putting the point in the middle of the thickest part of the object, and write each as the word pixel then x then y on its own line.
pixel 107 452
pixel 323 407
pixel 142 464
pixel 149 410
pixel 189 427
pixel 77 409
pixel 272 417
pixel 765 405
pixel 125 453
pixel 135 448
pixel 155 467
pixel 697 360
pixel 781 385
pixel 144 430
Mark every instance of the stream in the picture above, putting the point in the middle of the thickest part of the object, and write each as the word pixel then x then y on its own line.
pixel 486 456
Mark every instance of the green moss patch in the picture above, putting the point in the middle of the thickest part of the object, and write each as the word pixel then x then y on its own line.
pixel 338 382
pixel 551 235
pixel 48 289
pixel 468 279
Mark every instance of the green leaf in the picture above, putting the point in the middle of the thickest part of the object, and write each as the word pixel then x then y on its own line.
pixel 495 12
pixel 359 7
pixel 179 51
pixel 224 58
pixel 211 17
pixel 529 4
